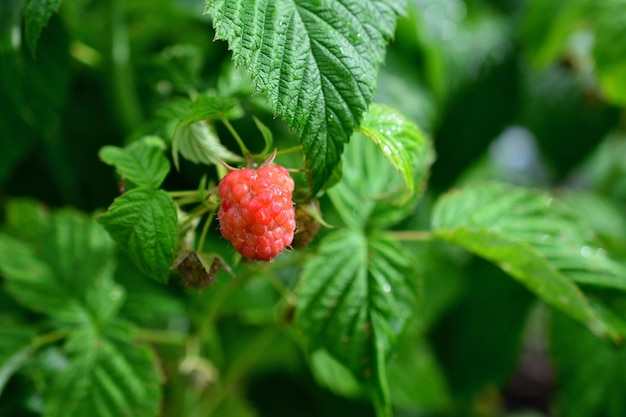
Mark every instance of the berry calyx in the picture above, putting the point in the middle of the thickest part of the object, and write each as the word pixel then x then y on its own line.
pixel 256 213
pixel 307 225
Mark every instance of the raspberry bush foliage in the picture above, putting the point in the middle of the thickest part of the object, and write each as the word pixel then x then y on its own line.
pixel 313 208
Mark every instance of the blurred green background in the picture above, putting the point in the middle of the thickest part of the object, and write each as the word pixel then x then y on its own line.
pixel 532 92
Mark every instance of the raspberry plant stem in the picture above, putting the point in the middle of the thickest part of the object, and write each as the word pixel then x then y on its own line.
pixel 291 150
pixel 411 235
pixel 205 229
pixel 231 129
pixel 198 211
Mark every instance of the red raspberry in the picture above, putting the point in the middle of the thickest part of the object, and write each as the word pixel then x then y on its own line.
pixel 256 214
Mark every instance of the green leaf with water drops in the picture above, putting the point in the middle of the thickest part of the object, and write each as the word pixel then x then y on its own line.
pixel 401 142
pixel 317 61
pixel 353 303
pixel 372 193
pixel 532 237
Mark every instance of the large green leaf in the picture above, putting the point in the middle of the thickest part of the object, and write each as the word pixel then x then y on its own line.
pixel 37 13
pixel 65 269
pixel 142 162
pixel 108 376
pixel 591 372
pixel 144 223
pixel 317 61
pixel 401 142
pixel 531 237
pixel 353 298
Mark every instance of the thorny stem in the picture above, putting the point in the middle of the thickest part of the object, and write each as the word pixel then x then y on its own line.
pixel 231 129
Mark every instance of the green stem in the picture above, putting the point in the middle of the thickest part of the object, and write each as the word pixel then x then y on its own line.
pixel 288 151
pixel 127 102
pixel 186 193
pixel 411 235
pixel 240 367
pixel 50 337
pixel 205 229
pixel 196 212
pixel 159 336
pixel 231 129
pixel 282 289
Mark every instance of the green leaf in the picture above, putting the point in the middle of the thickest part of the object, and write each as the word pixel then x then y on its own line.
pixel 372 193
pixel 415 361
pixel 65 271
pixel 353 302
pixel 37 13
pixel 198 142
pixel 316 61
pixel 108 376
pixel 610 48
pixel 209 106
pixel 144 223
pixel 591 372
pixel 331 373
pixel 531 237
pixel 142 162
pixel 400 141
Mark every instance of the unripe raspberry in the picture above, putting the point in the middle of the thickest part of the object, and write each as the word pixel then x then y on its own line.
pixel 256 214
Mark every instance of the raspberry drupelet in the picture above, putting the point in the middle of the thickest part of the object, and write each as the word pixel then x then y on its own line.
pixel 256 213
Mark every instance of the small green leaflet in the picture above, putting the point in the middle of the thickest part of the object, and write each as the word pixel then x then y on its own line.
pixel 352 302
pixel 144 223
pixel 372 193
pixel 317 61
pixel 534 239
pixel 66 272
pixel 400 141
pixel 195 138
pixel 37 13
pixel 108 376
pixel 198 142
pixel 142 162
